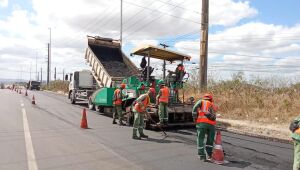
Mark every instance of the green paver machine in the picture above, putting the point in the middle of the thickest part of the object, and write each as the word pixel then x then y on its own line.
pixel 179 111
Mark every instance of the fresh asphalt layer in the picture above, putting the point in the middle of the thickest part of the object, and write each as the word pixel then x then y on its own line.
pixel 48 136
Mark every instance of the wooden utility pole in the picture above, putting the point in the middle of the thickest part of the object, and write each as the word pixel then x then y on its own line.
pixel 55 73
pixel 204 44
pixel 63 75
pixel 164 64
pixel 121 25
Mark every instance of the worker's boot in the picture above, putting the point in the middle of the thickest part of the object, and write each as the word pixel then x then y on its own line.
pixel 121 123
pixel 143 135
pixel 114 121
pixel 136 137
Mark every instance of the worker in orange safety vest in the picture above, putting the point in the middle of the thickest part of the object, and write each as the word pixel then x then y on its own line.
pixel 117 101
pixel 162 101
pixel 139 110
pixel 205 118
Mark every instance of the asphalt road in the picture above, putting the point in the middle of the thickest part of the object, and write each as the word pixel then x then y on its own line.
pixel 48 136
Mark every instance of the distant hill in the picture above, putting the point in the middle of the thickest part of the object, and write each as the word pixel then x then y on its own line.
pixel 8 81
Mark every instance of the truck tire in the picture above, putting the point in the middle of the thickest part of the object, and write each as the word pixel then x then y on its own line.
pixel 91 105
pixel 101 109
pixel 72 98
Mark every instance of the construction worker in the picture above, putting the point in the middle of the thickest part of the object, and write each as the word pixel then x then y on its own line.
pixel 139 110
pixel 180 71
pixel 117 101
pixel 205 118
pixel 294 127
pixel 162 99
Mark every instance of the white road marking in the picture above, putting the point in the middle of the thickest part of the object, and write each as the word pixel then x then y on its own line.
pixel 32 165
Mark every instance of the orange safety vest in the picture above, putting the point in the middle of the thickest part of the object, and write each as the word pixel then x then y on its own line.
pixel 117 97
pixel 205 104
pixel 145 102
pixel 164 95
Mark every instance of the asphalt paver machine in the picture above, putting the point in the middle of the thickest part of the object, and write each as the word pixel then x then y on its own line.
pixel 180 112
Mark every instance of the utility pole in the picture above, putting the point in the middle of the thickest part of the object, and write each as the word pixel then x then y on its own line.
pixel 41 75
pixel 49 58
pixel 63 75
pixel 48 70
pixel 54 73
pixel 204 44
pixel 121 26
pixel 30 70
pixel 36 72
pixel 164 64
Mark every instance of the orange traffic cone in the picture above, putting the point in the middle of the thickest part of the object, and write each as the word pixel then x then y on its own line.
pixel 33 100
pixel 26 94
pixel 84 123
pixel 218 154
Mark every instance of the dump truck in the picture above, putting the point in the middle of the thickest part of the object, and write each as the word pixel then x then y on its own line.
pixel 33 85
pixel 111 67
pixel 81 87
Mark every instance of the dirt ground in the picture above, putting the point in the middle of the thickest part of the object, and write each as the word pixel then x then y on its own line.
pixel 271 130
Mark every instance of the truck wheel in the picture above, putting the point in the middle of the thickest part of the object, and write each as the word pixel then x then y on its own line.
pixel 72 98
pixel 91 105
pixel 101 109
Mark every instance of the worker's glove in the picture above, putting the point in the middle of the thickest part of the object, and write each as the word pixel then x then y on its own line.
pixel 294 125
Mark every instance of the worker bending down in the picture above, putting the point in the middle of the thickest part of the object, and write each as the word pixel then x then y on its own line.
pixel 139 110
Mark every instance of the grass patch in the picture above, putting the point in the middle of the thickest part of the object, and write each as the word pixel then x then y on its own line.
pixel 57 86
pixel 262 100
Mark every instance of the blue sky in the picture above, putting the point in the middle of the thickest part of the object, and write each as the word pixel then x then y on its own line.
pixel 247 35
pixel 284 12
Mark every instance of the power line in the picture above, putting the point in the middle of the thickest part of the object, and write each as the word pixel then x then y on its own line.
pixel 143 26
pixel 244 55
pixel 196 12
pixel 136 22
pixel 164 13
pixel 137 13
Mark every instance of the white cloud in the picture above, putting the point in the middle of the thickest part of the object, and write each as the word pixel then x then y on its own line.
pixel 3 3
pixel 252 45
pixel 24 31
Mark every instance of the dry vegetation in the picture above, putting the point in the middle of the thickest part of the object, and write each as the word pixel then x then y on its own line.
pixel 266 101
pixel 57 86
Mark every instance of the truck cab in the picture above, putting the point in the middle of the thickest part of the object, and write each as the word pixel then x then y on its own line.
pixel 34 85
pixel 82 85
